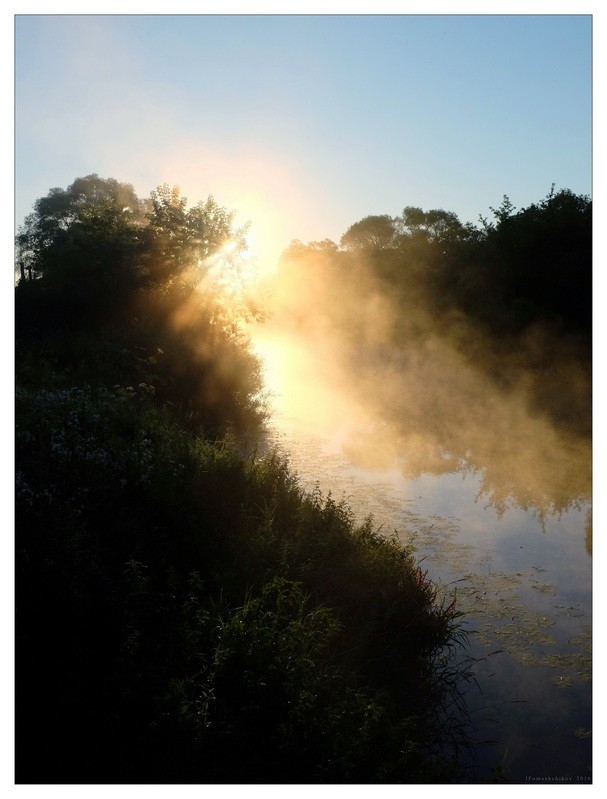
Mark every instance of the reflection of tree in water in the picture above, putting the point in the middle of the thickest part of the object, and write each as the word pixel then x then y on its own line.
pixel 545 477
pixel 588 530
pixel 544 501
pixel 544 481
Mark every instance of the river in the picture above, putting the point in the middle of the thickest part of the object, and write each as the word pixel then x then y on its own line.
pixel 517 559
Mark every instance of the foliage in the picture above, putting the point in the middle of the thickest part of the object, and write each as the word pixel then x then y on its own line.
pixel 185 613
pixel 90 206
pixel 527 267
pixel 180 237
pixel 82 246
pixel 372 231
pixel 175 598
pixel 436 225
pixel 122 291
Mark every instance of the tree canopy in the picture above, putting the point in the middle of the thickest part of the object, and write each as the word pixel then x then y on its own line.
pixel 524 265
pixel 180 236
pixel 137 275
pixel 90 207
pixel 372 231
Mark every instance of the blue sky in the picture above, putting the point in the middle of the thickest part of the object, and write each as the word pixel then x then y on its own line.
pixel 305 124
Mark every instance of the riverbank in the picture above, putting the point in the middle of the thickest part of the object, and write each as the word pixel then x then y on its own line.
pixel 522 577
pixel 194 616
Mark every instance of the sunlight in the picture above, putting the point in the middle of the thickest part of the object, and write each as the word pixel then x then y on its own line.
pixel 228 269
pixel 299 388
pixel 263 187
pixel 273 358
pixel 228 248
pixel 265 238
pixel 239 272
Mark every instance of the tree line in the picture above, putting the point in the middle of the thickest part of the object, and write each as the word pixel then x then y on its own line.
pixel 513 295
pixel 520 267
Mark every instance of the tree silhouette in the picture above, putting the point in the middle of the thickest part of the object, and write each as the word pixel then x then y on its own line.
pixel 184 238
pixel 372 231
pixel 91 207
pixel 435 225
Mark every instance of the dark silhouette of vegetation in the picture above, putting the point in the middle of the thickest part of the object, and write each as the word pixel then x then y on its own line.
pixel 527 267
pixel 534 265
pixel 372 232
pixel 120 290
pixel 184 612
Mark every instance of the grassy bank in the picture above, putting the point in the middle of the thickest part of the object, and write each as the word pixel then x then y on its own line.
pixel 187 614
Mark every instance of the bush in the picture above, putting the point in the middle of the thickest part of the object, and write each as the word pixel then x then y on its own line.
pixel 195 617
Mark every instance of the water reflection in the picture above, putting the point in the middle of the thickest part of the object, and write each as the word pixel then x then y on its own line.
pixel 523 587
pixel 546 480
pixel 429 412
pixel 495 502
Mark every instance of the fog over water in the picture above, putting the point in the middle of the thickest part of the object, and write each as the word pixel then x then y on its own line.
pixel 436 398
pixel 478 457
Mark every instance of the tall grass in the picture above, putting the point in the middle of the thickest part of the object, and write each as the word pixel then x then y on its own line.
pixel 189 614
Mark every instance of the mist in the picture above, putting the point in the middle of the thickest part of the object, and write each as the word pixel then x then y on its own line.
pixel 396 379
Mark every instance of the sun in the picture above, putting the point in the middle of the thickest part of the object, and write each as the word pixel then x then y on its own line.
pixel 266 235
pixel 240 269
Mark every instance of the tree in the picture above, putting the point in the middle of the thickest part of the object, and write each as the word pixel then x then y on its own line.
pixel 91 208
pixel 372 231
pixel 185 238
pixel 543 256
pixel 435 225
pixel 525 266
pixel 505 210
pixel 116 280
pixel 96 241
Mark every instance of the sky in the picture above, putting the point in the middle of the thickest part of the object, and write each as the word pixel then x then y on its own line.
pixel 305 124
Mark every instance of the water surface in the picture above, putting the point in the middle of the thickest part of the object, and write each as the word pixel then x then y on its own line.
pixel 513 547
